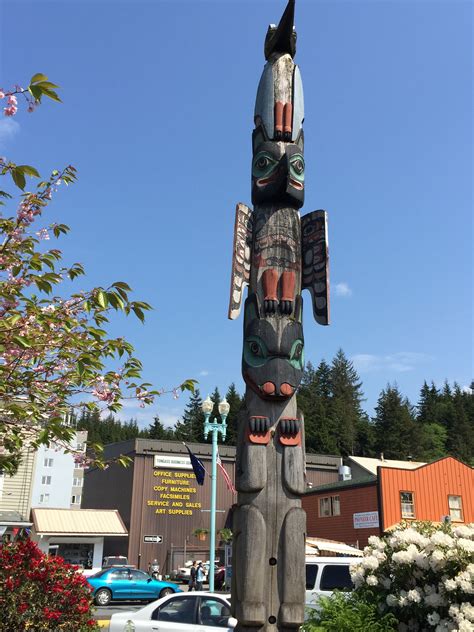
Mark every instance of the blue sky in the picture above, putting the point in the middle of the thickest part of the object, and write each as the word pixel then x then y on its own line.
pixel 157 117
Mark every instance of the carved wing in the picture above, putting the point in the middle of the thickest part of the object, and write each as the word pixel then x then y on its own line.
pixel 241 257
pixel 315 258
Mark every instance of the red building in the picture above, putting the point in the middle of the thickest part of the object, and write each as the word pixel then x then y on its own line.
pixel 352 510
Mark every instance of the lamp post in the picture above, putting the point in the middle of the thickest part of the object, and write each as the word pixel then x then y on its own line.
pixel 214 427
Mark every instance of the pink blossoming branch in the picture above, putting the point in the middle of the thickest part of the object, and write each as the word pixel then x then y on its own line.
pixel 55 351
pixel 39 86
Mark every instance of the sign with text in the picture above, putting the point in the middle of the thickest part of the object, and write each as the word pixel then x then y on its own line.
pixel 153 539
pixel 366 520
pixel 173 462
pixel 175 493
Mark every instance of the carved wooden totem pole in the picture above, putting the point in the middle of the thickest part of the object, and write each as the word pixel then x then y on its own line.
pixel 277 254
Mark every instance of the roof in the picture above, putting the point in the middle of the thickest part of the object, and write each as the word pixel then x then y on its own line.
pixel 371 465
pixel 13 519
pixel 360 482
pixel 321 546
pixel 78 522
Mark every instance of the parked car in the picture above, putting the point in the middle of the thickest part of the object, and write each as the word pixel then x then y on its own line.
pixel 116 560
pixel 127 583
pixel 326 574
pixel 183 612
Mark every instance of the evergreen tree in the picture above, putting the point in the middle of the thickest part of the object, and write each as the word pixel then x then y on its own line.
pixel 427 406
pixel 157 430
pixel 191 427
pixel 314 402
pixel 460 426
pixel 345 410
pixel 396 431
pixel 235 403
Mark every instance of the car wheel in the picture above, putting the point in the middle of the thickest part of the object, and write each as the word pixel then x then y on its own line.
pixel 166 591
pixel 103 597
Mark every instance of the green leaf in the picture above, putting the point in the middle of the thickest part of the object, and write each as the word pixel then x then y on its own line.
pixel 139 313
pixel 50 93
pixel 18 178
pixel 35 92
pixel 38 77
pixel 21 342
pixel 122 285
pixel 102 299
pixel 30 171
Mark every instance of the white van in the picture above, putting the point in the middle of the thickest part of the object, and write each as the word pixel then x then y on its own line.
pixel 325 574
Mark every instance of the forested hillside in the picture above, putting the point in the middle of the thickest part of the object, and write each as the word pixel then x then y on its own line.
pixel 331 398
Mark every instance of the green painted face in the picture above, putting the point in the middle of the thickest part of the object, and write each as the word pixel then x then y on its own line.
pixel 264 165
pixel 256 353
pixel 297 168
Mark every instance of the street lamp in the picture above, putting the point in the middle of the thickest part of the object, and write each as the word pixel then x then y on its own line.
pixel 215 427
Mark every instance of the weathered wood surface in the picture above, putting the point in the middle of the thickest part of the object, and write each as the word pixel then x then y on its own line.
pixel 277 255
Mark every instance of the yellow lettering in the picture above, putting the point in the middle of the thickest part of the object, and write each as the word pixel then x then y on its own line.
pixel 194 505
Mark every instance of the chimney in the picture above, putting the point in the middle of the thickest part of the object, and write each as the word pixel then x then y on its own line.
pixel 381 457
pixel 344 473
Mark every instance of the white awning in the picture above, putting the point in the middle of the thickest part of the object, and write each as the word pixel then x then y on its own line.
pixel 78 522
pixel 320 546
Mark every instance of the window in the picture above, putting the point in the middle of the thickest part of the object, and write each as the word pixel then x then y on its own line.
pixel 120 575
pixel 177 610
pixel 407 504
pixel 76 499
pixel 46 480
pixel 80 447
pixel 44 498
pixel 139 576
pixel 48 462
pixel 329 506
pixel 77 482
pixel 311 574
pixel 213 612
pixel 336 576
pixel 455 508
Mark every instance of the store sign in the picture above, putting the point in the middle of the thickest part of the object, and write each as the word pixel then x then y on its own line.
pixel 366 520
pixel 174 462
pixel 152 539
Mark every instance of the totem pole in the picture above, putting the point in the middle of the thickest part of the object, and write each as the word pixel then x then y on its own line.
pixel 276 254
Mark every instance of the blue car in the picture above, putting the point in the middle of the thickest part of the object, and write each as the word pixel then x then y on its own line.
pixel 127 583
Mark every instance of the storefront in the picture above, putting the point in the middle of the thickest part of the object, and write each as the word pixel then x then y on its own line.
pixel 161 503
pixel 77 535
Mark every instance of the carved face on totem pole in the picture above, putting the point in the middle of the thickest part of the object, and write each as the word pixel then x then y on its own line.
pixel 273 357
pixel 277 171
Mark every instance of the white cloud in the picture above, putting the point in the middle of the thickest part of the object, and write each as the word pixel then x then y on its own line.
pixel 400 362
pixel 203 373
pixel 8 129
pixel 342 289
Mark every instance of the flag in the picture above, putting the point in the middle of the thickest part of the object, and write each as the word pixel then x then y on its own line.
pixel 228 482
pixel 198 467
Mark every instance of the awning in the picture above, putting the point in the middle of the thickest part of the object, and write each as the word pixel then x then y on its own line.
pixel 13 519
pixel 320 546
pixel 78 522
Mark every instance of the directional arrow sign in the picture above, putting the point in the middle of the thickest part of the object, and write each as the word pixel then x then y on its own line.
pixel 153 538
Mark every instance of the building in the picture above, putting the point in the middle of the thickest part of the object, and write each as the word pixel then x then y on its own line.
pixel 58 479
pixel 162 505
pixel 384 493
pixel 77 535
pixel 47 477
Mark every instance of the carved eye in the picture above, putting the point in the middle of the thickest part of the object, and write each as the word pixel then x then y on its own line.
pixel 298 166
pixel 263 165
pixel 255 348
pixel 298 351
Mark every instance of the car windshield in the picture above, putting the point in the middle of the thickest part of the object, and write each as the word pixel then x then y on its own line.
pixel 98 574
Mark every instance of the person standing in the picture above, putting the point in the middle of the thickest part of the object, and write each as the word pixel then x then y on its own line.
pixel 192 577
pixel 199 576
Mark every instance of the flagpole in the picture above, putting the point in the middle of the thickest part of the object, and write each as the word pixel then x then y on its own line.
pixel 214 427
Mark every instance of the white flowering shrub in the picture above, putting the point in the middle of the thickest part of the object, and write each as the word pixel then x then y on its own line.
pixel 423 574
